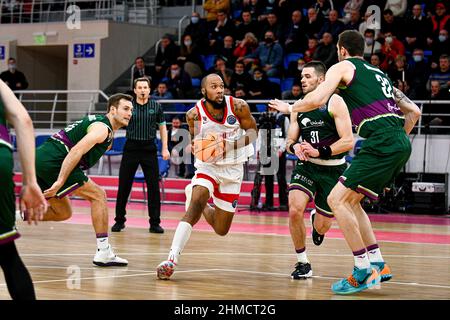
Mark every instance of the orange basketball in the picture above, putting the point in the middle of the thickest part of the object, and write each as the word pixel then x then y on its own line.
pixel 208 148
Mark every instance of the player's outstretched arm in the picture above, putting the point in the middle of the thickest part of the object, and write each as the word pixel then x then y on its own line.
pixel 343 125
pixel 410 110
pixel 97 133
pixel 31 198
pixel 247 121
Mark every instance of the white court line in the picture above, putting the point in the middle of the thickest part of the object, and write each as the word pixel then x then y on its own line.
pixel 227 253
pixel 232 271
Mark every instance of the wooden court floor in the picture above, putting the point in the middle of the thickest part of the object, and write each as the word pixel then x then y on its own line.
pixel 253 261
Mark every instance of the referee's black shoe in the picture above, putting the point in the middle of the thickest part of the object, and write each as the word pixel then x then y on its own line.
pixel 156 229
pixel 118 226
pixel 316 237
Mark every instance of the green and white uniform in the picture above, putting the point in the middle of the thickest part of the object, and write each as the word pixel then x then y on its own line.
pixel 51 154
pixel 317 177
pixel 8 230
pixel 370 101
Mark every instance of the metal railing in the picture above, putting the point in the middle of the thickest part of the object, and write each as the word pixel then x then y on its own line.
pixel 56 104
pixel 140 11
pixel 57 108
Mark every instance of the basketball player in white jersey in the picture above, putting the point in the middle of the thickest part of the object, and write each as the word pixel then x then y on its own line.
pixel 221 179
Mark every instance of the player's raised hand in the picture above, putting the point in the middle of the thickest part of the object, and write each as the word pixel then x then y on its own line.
pixel 309 150
pixel 279 105
pixel 32 202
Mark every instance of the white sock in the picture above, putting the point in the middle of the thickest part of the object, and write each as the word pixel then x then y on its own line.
pixel 102 243
pixel 362 261
pixel 375 255
pixel 301 256
pixel 180 239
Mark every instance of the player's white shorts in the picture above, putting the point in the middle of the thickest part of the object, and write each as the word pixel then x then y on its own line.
pixel 222 181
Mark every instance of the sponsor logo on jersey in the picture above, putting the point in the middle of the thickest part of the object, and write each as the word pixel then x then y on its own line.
pixel 231 119
pixel 234 204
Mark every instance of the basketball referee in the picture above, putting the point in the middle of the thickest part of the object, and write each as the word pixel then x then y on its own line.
pixel 140 149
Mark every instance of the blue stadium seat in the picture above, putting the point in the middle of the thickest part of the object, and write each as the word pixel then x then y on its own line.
pixel 164 166
pixel 196 82
pixel 275 80
pixel 261 107
pixel 286 84
pixel 40 139
pixel 291 57
pixel 236 14
pixel 208 61
pixel 116 150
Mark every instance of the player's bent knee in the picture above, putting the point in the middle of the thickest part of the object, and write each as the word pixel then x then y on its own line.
pixel 296 211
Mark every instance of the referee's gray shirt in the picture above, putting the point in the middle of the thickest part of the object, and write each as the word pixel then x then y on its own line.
pixel 145 121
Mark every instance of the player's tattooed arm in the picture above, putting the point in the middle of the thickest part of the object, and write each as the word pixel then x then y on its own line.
pixel 247 121
pixel 410 109
pixel 193 121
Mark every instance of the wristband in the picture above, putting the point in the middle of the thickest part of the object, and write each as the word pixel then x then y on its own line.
pixel 324 152
pixel 290 108
pixel 291 147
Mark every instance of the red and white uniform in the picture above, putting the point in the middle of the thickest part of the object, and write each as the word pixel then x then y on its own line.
pixel 224 177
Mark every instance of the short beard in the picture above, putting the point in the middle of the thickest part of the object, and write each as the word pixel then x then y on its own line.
pixel 216 105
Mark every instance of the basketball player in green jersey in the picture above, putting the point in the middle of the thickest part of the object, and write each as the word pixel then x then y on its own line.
pixel 60 162
pixel 17 278
pixel 384 116
pixel 315 174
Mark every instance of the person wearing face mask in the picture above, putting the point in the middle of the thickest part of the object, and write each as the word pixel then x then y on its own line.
pixel 417 28
pixel 269 54
pixel 240 79
pixel 371 46
pixel 179 82
pixel 440 46
pixel 418 75
pixel 198 31
pixel 391 49
pixel 190 58
pixel 14 78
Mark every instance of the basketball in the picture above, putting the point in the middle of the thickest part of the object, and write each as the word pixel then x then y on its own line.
pixel 208 148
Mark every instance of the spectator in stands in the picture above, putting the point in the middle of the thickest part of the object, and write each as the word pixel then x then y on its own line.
pixel 398 7
pixel 326 51
pixel 436 93
pixel 240 80
pixel 294 94
pixel 166 54
pixel 354 21
pixel 312 46
pixel 398 70
pixel 213 7
pixel 442 74
pixel 189 58
pixel 198 30
pixel 176 138
pixel 179 82
pixel 371 45
pixel 391 48
pixel 259 87
pixel 221 28
pixel 440 46
pixel 374 25
pixel 375 60
pixel 162 92
pixel 246 47
pixel 226 51
pixel 272 24
pixel 402 86
pixel 286 7
pixel 332 25
pixel 14 78
pixel 296 40
pixel 225 73
pixel 246 25
pixel 418 76
pixel 295 70
pixel 389 23
pixel 140 69
pixel 323 8
pixel 441 20
pixel 349 8
pixel 255 7
pixel 417 29
pixel 314 24
pixel 269 54
pixel 269 6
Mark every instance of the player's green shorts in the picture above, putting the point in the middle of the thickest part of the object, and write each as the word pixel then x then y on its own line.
pixel 379 161
pixel 316 181
pixel 49 159
pixel 8 230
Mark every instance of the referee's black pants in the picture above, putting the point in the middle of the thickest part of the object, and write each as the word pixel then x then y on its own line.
pixel 135 153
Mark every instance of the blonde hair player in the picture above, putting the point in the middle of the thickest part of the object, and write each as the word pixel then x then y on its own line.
pixel 230 121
